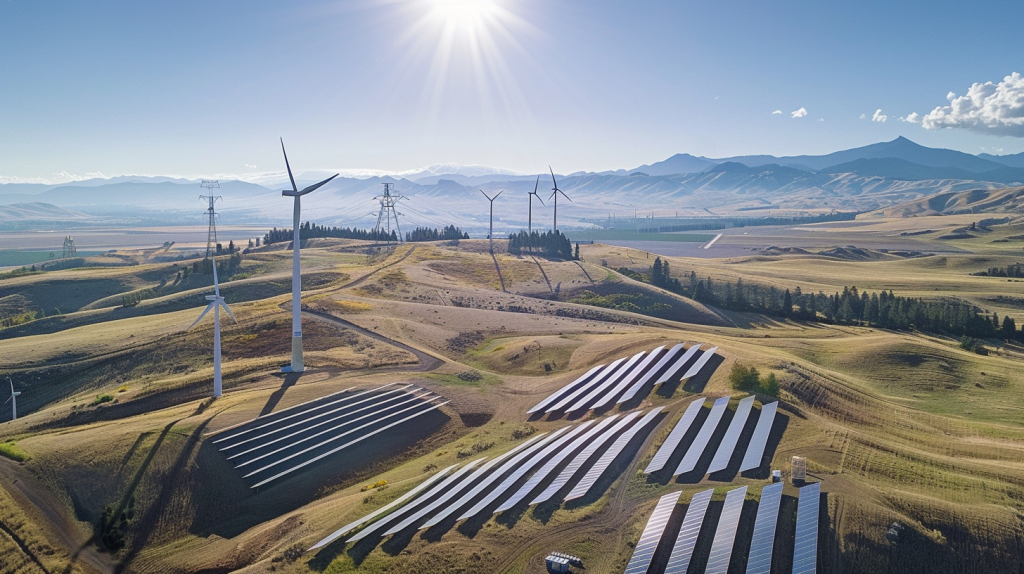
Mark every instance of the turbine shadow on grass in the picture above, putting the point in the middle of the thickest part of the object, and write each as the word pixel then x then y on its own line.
pixel 289 380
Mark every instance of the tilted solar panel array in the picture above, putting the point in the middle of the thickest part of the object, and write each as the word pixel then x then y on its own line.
pixel 805 545
pixel 557 395
pixel 725 535
pixel 758 442
pixel 700 442
pixel 759 559
pixel 675 437
pixel 732 436
pixel 276 445
pixel 591 398
pixel 653 372
pixel 643 553
pixel 699 363
pixel 675 366
pixel 686 541
pixel 628 378
pixel 597 380
pixel 609 456
pixel 444 495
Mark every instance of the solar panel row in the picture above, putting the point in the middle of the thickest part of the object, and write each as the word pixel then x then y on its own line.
pixel 653 372
pixel 643 553
pixel 700 442
pixel 699 363
pixel 682 550
pixel 759 559
pixel 398 501
pixel 675 366
pixel 596 381
pixel 628 378
pixel 602 464
pixel 583 379
pixel 675 437
pixel 758 442
pixel 607 383
pixel 725 534
pixel 732 436
pixel 805 545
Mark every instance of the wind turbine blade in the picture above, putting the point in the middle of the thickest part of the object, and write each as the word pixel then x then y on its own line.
pixel 565 196
pixel 485 195
pixel 553 177
pixel 228 309
pixel 12 384
pixel 203 314
pixel 216 284
pixel 536 184
pixel 540 200
pixel 294 188
pixel 552 195
pixel 499 193
pixel 315 186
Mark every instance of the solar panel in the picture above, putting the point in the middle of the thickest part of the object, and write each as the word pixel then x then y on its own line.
pixel 376 399
pixel 602 464
pixel 669 446
pixel 611 380
pixel 566 389
pixel 524 468
pixel 396 502
pixel 643 553
pixel 725 534
pixel 584 455
pixel 272 418
pixel 699 363
pixel 629 378
pixel 490 479
pixel 336 449
pixel 443 487
pixel 682 550
pixel 594 382
pixel 457 489
pixel 732 435
pixel 375 415
pixel 653 372
pixel 759 559
pixel 805 545
pixel 551 464
pixel 700 442
pixel 755 450
pixel 677 365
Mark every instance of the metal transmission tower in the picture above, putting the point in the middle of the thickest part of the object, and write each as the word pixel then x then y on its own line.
pixel 69 248
pixel 490 227
pixel 211 235
pixel 387 211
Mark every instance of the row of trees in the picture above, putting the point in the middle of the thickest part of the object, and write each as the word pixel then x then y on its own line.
pixel 449 233
pixel 310 230
pixel 881 309
pixel 549 243
pixel 1015 270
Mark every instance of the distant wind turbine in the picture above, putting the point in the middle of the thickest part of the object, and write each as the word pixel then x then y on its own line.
pixel 490 228
pixel 554 193
pixel 531 194
pixel 13 400
pixel 216 302
pixel 296 366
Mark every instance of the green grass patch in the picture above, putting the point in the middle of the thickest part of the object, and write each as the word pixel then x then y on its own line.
pixel 100 399
pixel 13 452
pixel 485 380
pixel 11 258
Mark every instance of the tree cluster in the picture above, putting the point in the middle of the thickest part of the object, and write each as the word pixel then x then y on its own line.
pixel 310 230
pixel 1015 270
pixel 449 233
pixel 748 379
pixel 552 244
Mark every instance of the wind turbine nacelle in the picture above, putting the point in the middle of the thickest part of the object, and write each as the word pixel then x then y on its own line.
pixel 211 297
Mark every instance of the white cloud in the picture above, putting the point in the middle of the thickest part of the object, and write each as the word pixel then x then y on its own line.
pixel 996 109
pixel 863 116
pixel 777 113
pixel 821 119
pixel 802 112
pixel 912 118
pixel 250 166
pixel 879 116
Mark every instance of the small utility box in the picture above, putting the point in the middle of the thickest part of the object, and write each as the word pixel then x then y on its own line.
pixel 557 563
pixel 799 469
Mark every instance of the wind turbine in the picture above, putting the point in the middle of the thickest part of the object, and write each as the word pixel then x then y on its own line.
pixel 216 302
pixel 490 228
pixel 531 194
pixel 296 366
pixel 13 400
pixel 554 193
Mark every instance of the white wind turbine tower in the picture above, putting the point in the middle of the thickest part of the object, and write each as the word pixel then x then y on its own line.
pixel 554 193
pixel 216 302
pixel 296 366
pixel 490 227
pixel 13 400
pixel 529 221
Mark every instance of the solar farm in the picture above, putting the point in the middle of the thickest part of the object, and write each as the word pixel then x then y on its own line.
pixel 442 424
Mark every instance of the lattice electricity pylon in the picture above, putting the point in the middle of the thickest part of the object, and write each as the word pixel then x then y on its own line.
pixel 387 211
pixel 211 234
pixel 69 248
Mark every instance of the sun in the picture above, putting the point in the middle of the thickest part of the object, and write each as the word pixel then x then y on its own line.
pixel 464 13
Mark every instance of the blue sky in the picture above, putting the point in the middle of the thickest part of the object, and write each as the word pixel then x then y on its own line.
pixel 196 88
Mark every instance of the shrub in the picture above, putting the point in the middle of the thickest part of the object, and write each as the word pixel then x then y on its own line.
pixel 13 452
pixel 100 399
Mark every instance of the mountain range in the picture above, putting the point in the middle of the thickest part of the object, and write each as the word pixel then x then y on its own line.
pixel 867 178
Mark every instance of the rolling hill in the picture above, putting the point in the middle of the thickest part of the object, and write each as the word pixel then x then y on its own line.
pixel 1007 200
